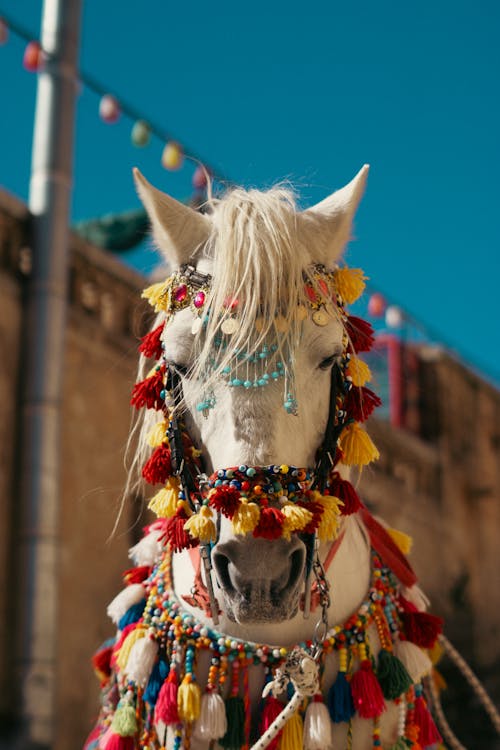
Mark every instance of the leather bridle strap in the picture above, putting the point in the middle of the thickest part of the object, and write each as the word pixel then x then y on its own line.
pixel 326 456
pixel 180 466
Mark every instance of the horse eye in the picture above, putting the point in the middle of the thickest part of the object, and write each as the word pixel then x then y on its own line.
pixel 326 363
pixel 181 369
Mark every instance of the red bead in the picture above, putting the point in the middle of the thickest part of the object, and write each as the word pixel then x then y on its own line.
pixel 245 486
pixel 180 293
pixel 199 299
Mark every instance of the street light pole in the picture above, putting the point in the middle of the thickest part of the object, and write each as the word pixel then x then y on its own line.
pixel 45 319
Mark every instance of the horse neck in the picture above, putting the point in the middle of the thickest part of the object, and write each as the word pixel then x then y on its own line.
pixel 348 576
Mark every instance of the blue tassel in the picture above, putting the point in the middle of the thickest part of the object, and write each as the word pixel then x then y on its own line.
pixel 132 614
pixel 340 703
pixel 158 677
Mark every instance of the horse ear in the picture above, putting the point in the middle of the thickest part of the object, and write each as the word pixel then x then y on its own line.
pixel 330 220
pixel 178 230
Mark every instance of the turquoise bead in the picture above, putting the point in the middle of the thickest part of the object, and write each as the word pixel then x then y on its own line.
pixel 247 384
pixel 236 382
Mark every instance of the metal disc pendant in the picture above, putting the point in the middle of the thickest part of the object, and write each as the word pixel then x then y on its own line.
pixel 320 317
pixel 229 326
pixel 197 326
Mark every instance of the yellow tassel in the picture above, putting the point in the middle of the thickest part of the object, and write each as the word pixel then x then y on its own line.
pixel 293 733
pixel 328 526
pixel 358 371
pixel 350 283
pixel 436 652
pixel 158 435
pixel 124 653
pixel 297 518
pixel 357 446
pixel 188 699
pixel 164 503
pixel 201 526
pixel 246 517
pixel 402 540
pixel 157 295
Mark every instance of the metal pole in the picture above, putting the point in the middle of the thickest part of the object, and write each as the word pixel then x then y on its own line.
pixel 49 203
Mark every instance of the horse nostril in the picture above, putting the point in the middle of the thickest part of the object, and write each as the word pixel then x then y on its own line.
pixel 221 565
pixel 297 562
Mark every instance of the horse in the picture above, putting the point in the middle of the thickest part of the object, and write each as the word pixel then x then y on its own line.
pixel 265 600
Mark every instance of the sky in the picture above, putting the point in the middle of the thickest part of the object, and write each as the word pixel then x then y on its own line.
pixel 306 92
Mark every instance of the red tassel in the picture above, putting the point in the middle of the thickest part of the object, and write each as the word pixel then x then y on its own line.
pixel 136 575
pixel 361 334
pixel 317 511
pixel 429 733
pixel 101 661
pixel 272 709
pixel 166 704
pixel 344 490
pixel 422 628
pixel 270 524
pixel 225 499
pixel 176 535
pixel 158 468
pixel 360 402
pixel 148 392
pixel 366 692
pixel 117 742
pixel 151 343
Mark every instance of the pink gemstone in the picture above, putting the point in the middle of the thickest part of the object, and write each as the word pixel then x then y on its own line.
pixel 180 293
pixel 199 299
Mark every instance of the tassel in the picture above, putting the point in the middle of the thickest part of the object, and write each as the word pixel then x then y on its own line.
pixel 124 721
pixel 188 699
pixel 415 660
pixel 366 692
pixel 328 525
pixel 212 722
pixel 421 628
pixel 340 702
pixel 225 500
pixel 136 575
pixel 416 597
pixel 166 705
pixel 149 392
pixel 360 403
pixel 317 726
pixel 158 467
pixel 272 709
pixel 101 663
pixel 357 446
pixel 345 492
pixel 124 600
pixel 157 296
pixel 122 656
pixel 350 283
pixel 201 527
pixel 428 734
pixel 104 738
pixel 133 614
pixel 271 522
pixel 358 371
pixel 234 738
pixel 175 534
pixel 117 742
pixel 246 517
pixel 403 541
pixel 120 640
pixel 147 550
pixel 151 345
pixel 360 333
pixel 296 518
pixel 141 660
pixel 293 733
pixel 165 502
pixel 158 434
pixel 392 675
pixel 155 682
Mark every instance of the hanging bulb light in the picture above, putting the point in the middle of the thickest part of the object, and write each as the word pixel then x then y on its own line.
pixel 377 305
pixel 141 134
pixel 394 317
pixel 4 32
pixel 109 109
pixel 200 177
pixel 33 57
pixel 172 157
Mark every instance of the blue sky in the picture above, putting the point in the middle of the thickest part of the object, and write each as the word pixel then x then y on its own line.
pixel 306 92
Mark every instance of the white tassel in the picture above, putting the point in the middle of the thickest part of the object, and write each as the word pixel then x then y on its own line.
pixel 165 734
pixel 141 660
pixel 124 600
pixel 317 727
pixel 416 596
pixel 212 722
pixel 415 660
pixel 148 550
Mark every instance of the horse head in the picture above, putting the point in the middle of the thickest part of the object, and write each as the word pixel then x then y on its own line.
pixel 252 332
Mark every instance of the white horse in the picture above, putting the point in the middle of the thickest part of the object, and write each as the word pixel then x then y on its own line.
pixel 251 337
